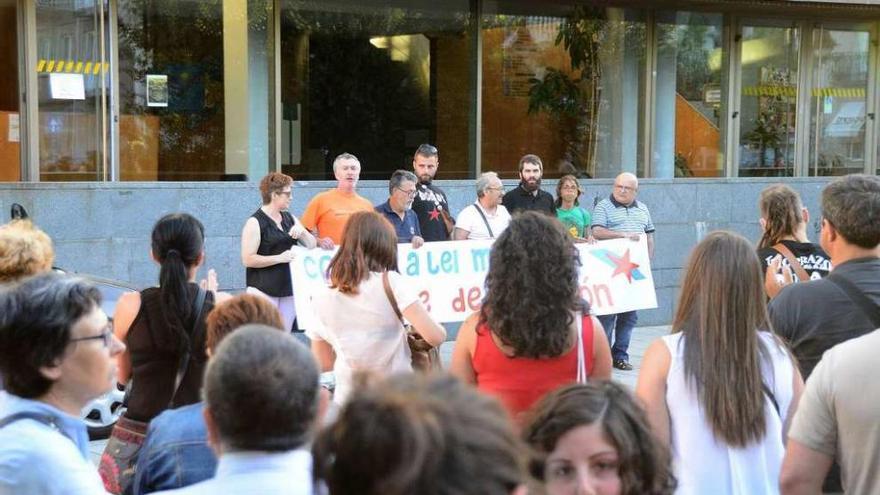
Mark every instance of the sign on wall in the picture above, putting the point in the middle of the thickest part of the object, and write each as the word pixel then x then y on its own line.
pixel 615 276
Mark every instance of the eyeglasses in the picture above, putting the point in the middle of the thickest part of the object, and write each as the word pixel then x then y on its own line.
pixel 571 187
pixel 624 188
pixel 495 188
pixel 106 336
pixel 284 193
pixel 410 193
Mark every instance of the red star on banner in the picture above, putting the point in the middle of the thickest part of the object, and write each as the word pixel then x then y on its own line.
pixel 623 265
pixel 434 214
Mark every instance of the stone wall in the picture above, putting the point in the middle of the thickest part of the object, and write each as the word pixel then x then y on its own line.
pixel 104 228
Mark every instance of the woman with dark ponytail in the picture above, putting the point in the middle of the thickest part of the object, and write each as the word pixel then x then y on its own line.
pixel 784 245
pixel 164 331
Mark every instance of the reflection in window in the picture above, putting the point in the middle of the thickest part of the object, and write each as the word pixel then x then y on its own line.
pixel 690 93
pixel 839 101
pixel 565 83
pixel 171 104
pixel 377 81
pixel 769 100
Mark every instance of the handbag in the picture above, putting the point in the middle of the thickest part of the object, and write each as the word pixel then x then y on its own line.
pixel 119 460
pixel 425 357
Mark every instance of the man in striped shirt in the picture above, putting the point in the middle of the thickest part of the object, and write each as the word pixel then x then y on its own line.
pixel 621 216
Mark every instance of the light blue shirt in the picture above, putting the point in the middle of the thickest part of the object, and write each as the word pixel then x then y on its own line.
pixel 247 473
pixel 37 458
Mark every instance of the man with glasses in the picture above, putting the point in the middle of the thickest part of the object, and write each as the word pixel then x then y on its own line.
pixel 487 217
pixel 430 204
pixel 621 216
pixel 57 353
pixel 398 208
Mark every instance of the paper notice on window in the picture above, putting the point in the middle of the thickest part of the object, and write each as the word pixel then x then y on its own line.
pixel 14 127
pixel 157 90
pixel 67 87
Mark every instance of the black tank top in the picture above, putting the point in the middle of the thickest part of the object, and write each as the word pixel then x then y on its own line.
pixel 273 280
pixel 154 347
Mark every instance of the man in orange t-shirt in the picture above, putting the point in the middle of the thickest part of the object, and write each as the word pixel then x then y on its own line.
pixel 326 214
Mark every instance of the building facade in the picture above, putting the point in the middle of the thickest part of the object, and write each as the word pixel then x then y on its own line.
pixel 203 90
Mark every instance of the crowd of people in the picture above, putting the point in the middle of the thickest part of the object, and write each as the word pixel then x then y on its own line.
pixel 224 397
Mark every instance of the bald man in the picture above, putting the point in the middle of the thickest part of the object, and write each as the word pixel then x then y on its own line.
pixel 621 216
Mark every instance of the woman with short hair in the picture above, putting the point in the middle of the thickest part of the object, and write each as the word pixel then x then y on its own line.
pixel 594 438
pixel 266 240
pixel 360 329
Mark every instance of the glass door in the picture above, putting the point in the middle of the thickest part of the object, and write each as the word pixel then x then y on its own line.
pixel 769 63
pixel 73 89
pixel 839 104
pixel 10 101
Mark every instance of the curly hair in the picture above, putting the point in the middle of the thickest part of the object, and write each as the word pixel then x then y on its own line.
pixel 644 462
pixel 236 312
pixel 780 208
pixel 532 287
pixel 274 182
pixel 24 250
pixel 425 434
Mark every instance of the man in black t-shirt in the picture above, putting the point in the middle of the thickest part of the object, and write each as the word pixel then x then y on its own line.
pixel 528 195
pixel 430 205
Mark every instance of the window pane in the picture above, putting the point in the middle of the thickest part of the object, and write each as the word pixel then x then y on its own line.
pixel 769 100
pixel 690 93
pixel 839 101
pixel 375 79
pixel 73 80
pixel 583 104
pixel 171 87
pixel 10 124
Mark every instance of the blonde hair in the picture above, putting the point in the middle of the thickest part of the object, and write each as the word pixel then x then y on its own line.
pixel 24 250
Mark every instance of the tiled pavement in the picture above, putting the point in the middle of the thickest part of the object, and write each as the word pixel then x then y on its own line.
pixel 641 338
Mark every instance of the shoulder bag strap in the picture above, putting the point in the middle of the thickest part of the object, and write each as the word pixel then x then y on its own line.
pixel 183 364
pixel 386 284
pixel 485 220
pixel 45 419
pixel 792 261
pixel 868 307
pixel 582 359
pixel 769 394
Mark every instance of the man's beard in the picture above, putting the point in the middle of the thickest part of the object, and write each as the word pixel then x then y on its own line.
pixel 530 186
pixel 425 179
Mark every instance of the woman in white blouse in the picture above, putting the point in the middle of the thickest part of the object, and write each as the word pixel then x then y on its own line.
pixel 360 330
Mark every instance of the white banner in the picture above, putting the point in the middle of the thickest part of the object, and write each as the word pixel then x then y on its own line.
pixel 615 276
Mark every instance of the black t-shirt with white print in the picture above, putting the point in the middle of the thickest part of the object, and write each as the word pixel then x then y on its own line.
pixel 811 256
pixel 428 204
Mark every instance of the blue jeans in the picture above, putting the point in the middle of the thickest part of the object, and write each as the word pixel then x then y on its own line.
pixel 621 327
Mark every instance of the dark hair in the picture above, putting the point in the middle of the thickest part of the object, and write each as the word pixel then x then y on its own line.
pixel 399 177
pixel 644 462
pixel 780 208
pixel 851 204
pixel 562 181
pixel 273 182
pixel 528 308
pixel 36 316
pixel 719 316
pixel 177 242
pixel 238 311
pixel 533 159
pixel 425 434
pixel 369 244
pixel 275 378
pixel 426 150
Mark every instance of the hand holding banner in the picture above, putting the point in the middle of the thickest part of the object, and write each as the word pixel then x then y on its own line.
pixel 615 276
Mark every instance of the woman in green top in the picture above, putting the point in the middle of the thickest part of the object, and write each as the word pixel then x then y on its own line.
pixel 575 219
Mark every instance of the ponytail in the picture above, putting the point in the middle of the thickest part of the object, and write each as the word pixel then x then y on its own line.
pixel 177 243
